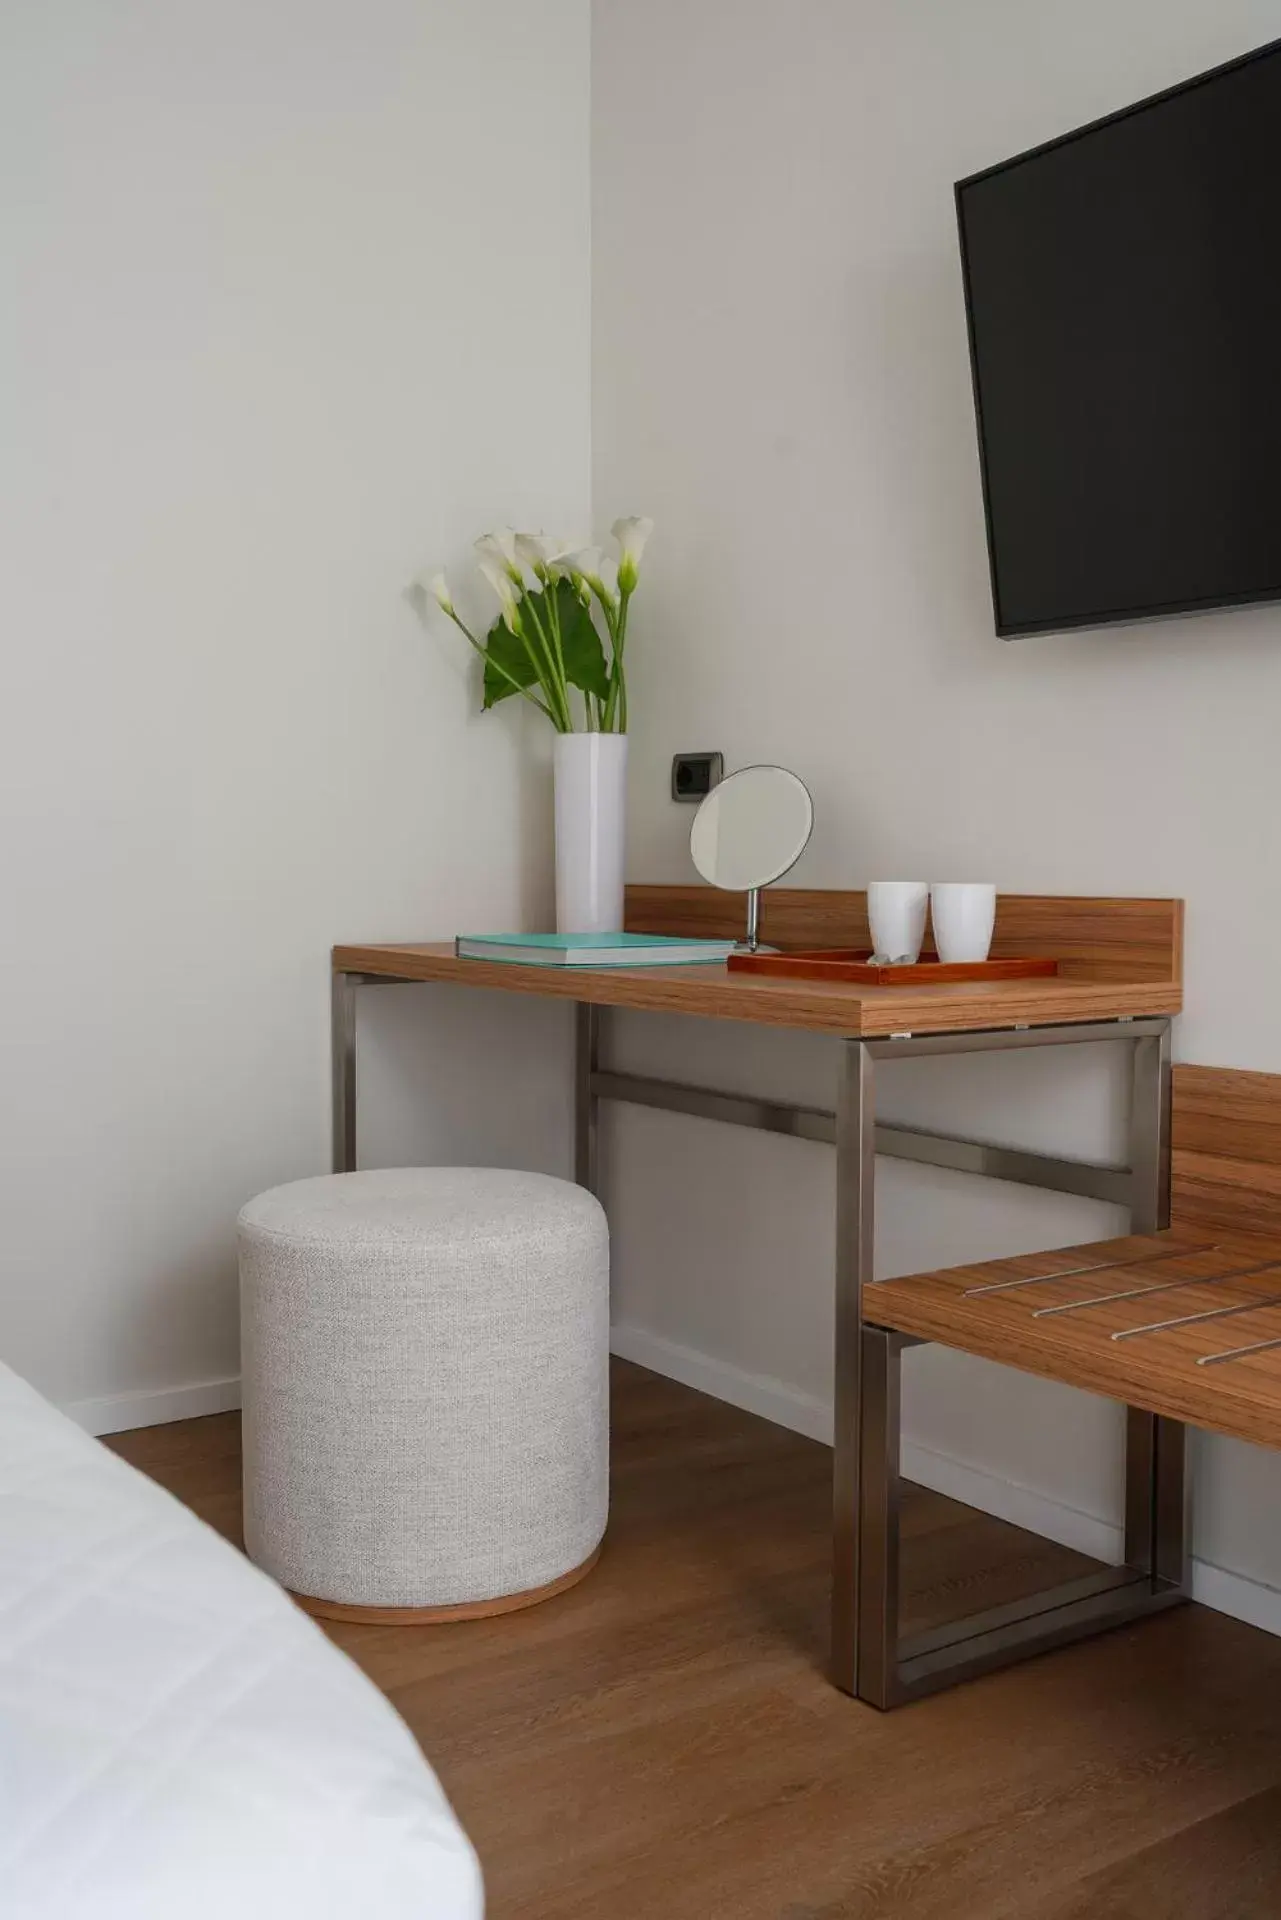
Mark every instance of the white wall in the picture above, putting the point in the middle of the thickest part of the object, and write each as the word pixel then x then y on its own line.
pixel 781 379
pixel 302 303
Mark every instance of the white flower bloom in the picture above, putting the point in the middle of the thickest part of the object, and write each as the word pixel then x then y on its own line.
pixel 437 585
pixel 539 551
pixel 596 569
pixel 500 547
pixel 584 560
pixel 496 571
pixel 565 567
pixel 631 535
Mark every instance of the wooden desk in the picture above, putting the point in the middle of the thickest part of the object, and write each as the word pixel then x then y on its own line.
pixel 1120 980
pixel 1116 958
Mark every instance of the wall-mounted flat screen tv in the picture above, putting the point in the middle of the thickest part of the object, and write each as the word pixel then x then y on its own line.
pixel 1123 287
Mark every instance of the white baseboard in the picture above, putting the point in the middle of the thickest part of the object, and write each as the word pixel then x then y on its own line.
pixel 1227 1592
pixel 1022 1506
pixel 118 1412
pixel 753 1392
pixel 786 1406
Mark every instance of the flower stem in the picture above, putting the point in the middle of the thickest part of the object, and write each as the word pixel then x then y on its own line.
pixel 553 685
pixel 616 706
pixel 553 615
pixel 499 668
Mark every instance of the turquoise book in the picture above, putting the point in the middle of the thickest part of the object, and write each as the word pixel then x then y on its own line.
pixel 591 949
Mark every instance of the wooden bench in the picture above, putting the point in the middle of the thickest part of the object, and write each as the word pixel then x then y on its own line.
pixel 1184 1324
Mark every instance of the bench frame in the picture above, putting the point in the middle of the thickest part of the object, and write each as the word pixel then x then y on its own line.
pixel 871 1659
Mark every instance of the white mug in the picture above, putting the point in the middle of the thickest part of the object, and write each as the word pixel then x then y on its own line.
pixel 964 914
pixel 896 915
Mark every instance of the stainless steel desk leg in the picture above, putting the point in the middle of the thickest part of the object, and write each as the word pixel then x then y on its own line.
pixel 343 1035
pixel 586 1062
pixel 1150 1133
pixel 878 1517
pixel 855 1236
pixel 1156 1533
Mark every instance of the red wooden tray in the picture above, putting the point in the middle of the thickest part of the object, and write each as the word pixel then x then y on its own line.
pixel 848 963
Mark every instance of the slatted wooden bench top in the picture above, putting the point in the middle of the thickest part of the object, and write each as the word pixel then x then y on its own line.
pixel 1185 1323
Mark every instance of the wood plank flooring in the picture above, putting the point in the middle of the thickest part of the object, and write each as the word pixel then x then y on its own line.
pixel 661 1743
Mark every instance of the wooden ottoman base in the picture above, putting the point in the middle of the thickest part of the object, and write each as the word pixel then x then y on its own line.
pixel 442 1616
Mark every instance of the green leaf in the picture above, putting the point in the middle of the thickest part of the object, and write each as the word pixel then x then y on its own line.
pixel 585 666
pixel 503 649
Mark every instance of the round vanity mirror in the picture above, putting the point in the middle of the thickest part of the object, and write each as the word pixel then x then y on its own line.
pixel 750 830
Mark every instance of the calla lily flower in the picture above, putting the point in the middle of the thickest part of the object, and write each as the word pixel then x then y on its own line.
pixel 591 565
pixel 561 649
pixel 503 539
pixel 500 547
pixel 631 535
pixel 606 580
pixel 565 567
pixel 499 576
pixel 437 585
pixel 539 551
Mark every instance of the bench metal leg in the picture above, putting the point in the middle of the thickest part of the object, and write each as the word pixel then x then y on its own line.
pixel 892 1669
pixel 1156 1529
pixel 871 1658
pixel 878 1515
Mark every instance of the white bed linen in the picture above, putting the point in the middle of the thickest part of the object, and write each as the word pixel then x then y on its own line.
pixel 178 1741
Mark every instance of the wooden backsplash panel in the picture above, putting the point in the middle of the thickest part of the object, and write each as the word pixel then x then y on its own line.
pixel 1093 938
pixel 1226 1131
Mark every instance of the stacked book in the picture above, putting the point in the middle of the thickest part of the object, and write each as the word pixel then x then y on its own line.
pixel 592 949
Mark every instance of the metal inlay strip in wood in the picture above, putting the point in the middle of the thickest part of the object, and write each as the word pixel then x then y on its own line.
pixel 1095 1266
pixel 1162 1286
pixel 1237 1353
pixel 1189 1319
pixel 1187 1371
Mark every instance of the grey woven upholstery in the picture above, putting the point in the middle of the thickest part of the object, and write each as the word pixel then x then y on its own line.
pixel 425 1384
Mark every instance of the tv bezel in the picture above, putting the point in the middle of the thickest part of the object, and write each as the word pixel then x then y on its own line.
pixel 1115 616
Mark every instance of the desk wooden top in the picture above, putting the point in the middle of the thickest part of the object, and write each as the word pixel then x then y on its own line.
pixel 1117 957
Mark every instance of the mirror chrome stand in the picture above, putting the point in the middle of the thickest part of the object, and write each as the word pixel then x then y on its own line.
pixel 751 939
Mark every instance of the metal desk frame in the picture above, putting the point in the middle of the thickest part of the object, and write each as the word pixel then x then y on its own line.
pixel 870 1659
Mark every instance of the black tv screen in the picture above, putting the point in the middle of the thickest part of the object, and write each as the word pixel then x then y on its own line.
pixel 1123 287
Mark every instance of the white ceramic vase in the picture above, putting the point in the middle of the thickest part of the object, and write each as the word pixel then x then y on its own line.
pixel 591 818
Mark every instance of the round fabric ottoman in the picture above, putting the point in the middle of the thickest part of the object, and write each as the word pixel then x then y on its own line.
pixel 425 1389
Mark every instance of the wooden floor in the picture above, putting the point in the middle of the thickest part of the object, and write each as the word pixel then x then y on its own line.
pixel 661 1743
